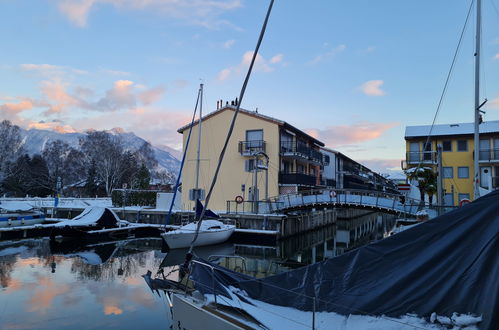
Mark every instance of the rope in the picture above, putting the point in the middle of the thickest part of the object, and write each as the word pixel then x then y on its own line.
pixel 168 216
pixel 449 74
pixel 231 128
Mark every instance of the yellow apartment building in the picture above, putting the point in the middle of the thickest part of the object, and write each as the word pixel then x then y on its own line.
pixel 294 158
pixel 457 156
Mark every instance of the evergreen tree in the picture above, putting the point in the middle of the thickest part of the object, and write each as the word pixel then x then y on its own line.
pixel 91 182
pixel 143 177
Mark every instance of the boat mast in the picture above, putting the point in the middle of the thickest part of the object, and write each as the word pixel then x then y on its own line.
pixel 476 136
pixel 199 139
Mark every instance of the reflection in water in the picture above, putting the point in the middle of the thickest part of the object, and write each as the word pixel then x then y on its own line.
pixel 55 285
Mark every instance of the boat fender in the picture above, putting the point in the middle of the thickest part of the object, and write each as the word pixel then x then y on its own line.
pixel 239 199
pixel 332 194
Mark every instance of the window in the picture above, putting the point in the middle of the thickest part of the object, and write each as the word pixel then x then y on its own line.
pixel 249 164
pixel 414 152
pixel 448 173
pixel 462 145
pixel 460 197
pixel 254 140
pixel 447 145
pixel 463 172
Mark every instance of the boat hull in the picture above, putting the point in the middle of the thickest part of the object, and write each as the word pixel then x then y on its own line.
pixel 16 220
pixel 179 239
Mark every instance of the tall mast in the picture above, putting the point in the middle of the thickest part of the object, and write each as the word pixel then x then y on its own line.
pixel 476 136
pixel 199 136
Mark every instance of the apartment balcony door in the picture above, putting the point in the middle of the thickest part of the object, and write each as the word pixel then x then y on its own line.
pixel 486 177
pixel 485 150
pixel 414 152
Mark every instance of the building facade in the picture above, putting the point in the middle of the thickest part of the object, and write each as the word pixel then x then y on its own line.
pixel 294 158
pixel 457 156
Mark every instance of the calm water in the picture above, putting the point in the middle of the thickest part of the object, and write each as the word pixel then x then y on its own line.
pixel 46 285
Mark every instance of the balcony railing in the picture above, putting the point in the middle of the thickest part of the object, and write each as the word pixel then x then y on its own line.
pixel 297 178
pixel 328 182
pixel 248 148
pixel 301 150
pixel 425 157
pixel 489 155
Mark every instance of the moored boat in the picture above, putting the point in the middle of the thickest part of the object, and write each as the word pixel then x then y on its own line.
pixel 19 214
pixel 210 232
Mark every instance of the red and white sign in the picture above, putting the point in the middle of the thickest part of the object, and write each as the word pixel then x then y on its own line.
pixel 404 186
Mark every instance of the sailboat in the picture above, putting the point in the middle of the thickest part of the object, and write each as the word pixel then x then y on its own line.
pixel 211 231
pixel 208 232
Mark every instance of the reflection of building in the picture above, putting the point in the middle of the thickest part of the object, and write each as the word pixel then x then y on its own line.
pixel 294 157
pixel 342 172
pixel 457 156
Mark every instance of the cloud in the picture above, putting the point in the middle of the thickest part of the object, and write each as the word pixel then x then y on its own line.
pixel 118 97
pixel 372 88
pixel 56 126
pixel 229 43
pixel 343 135
pixel 493 104
pixel 50 70
pixel 276 59
pixel 57 97
pixel 44 294
pixel 15 108
pixel 198 12
pixel 327 55
pixel 496 57
pixel 261 65
pixel 152 95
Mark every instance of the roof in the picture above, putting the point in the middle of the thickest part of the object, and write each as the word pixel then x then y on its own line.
pixel 451 129
pixel 256 115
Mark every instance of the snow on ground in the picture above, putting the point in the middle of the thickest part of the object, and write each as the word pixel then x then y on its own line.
pixel 38 202
pixel 280 317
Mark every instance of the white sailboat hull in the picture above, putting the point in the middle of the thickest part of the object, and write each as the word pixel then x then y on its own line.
pixel 182 238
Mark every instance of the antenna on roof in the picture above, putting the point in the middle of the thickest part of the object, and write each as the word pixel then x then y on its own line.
pixel 256 110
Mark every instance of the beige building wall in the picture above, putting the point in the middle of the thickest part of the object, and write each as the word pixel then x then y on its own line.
pixel 232 173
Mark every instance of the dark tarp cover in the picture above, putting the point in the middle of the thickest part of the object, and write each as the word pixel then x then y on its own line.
pixel 444 265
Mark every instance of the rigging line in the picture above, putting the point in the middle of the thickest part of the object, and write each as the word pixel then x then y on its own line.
pixel 231 128
pixel 449 74
pixel 168 216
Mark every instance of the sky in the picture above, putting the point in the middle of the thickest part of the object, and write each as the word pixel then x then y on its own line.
pixel 353 74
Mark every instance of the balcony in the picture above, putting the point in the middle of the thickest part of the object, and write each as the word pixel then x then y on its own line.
pixel 301 151
pixel 328 182
pixel 489 155
pixel 296 178
pixel 424 157
pixel 249 148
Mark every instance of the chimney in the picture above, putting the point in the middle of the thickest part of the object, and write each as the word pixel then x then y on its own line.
pixel 237 102
pixel 227 103
pixel 218 104
pixel 256 110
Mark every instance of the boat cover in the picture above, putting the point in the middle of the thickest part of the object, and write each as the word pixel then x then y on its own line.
pixel 93 216
pixel 444 265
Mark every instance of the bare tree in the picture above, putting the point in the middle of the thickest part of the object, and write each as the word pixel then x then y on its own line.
pixel 63 162
pixel 10 145
pixel 106 150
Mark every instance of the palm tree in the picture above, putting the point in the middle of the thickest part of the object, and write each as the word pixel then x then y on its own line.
pixel 426 179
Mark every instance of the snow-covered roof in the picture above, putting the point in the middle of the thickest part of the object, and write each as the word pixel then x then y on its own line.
pixel 451 129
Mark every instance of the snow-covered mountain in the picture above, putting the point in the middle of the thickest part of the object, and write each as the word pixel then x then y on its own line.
pixel 34 141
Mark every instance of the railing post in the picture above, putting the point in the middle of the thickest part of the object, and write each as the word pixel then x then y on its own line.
pixel 213 283
pixel 313 314
pixel 361 199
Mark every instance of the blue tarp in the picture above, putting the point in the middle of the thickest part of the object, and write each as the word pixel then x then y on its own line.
pixel 445 265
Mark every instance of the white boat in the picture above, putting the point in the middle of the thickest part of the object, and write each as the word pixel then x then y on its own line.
pixel 14 214
pixel 211 232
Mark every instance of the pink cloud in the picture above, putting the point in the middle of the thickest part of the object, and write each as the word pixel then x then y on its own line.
pixel 57 96
pixel 53 126
pixel 152 95
pixel 493 104
pixel 373 88
pixel 335 136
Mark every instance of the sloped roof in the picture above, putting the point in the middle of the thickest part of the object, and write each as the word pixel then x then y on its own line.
pixel 451 129
pixel 253 114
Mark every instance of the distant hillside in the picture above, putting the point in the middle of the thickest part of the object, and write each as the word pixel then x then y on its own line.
pixel 34 141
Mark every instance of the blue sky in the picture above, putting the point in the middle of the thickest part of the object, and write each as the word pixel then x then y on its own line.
pixel 353 73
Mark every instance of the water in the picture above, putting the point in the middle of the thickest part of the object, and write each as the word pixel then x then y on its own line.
pixel 67 285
